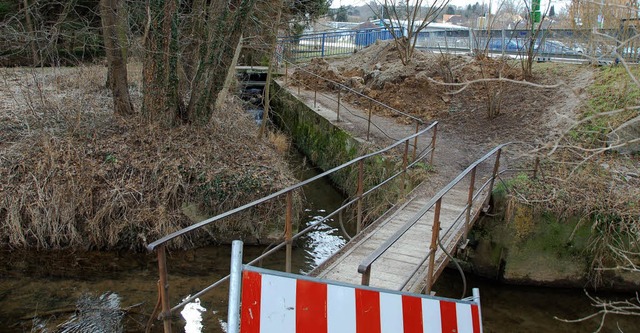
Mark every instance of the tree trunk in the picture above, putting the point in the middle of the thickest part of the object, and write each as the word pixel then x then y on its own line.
pixel 222 96
pixel 118 82
pixel 161 100
pixel 226 23
pixel 266 101
pixel 32 34
pixel 196 24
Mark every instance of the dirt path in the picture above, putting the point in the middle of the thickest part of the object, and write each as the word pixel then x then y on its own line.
pixel 529 117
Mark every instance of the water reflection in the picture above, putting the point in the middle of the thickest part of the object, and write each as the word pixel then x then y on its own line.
pixel 321 242
pixel 95 314
pixel 192 314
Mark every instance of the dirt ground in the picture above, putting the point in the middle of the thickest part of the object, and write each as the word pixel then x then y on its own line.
pixel 436 87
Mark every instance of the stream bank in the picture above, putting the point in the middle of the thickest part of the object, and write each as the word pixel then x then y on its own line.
pixel 516 245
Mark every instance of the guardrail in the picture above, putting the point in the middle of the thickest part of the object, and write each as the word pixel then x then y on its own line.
pixel 436 238
pixel 160 245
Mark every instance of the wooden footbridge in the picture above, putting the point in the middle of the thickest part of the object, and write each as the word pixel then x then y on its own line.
pixel 405 249
pixel 409 246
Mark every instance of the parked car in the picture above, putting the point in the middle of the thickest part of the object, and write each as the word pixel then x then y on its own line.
pixel 509 45
pixel 554 47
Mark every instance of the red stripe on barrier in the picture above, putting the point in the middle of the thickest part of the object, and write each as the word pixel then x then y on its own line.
pixel 412 314
pixel 449 317
pixel 311 307
pixel 367 311
pixel 475 318
pixel 251 291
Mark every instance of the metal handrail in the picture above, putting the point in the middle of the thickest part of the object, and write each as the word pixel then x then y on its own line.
pixel 342 86
pixel 208 221
pixel 365 266
pixel 160 244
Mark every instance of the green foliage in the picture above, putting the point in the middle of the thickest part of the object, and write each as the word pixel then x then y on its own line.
pixel 309 10
pixel 7 8
pixel 612 90
pixel 341 14
pixel 520 181
pixel 111 158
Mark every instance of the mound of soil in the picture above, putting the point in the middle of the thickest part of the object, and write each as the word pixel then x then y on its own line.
pixel 459 90
pixel 74 175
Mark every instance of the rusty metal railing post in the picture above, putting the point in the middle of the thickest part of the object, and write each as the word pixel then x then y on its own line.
pixel 405 163
pixel 433 143
pixel 338 111
pixel 472 182
pixel 496 165
pixel 165 315
pixel 415 141
pixel 288 229
pixel 366 277
pixel 299 83
pixel 315 97
pixel 369 119
pixel 359 195
pixel 435 234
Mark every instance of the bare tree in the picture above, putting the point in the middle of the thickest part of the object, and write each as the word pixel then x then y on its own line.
pixel 118 82
pixel 407 18
pixel 32 34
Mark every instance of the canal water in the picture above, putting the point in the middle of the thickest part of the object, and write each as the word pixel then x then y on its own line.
pixel 42 292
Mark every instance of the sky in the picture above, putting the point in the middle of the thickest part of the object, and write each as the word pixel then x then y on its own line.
pixel 544 3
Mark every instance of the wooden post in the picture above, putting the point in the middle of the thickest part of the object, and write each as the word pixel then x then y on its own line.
pixel 433 143
pixel 415 141
pixel 288 228
pixel 286 73
pixel 472 182
pixel 338 112
pixel 435 234
pixel 165 315
pixel 359 195
pixel 496 165
pixel 315 97
pixel 535 168
pixel 369 119
pixel 405 162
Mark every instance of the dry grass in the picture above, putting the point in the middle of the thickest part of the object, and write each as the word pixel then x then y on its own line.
pixel 73 175
pixel 280 141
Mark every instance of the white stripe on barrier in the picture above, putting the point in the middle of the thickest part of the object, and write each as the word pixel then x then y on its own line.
pixel 341 309
pixel 391 313
pixel 278 309
pixel 431 319
pixel 465 321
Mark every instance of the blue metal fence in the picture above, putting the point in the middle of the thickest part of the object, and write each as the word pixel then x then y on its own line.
pixel 550 43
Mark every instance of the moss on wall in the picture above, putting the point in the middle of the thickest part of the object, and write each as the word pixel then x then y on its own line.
pixel 527 248
pixel 324 144
pixel 328 146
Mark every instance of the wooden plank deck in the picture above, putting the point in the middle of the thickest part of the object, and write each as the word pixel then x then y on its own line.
pixel 396 265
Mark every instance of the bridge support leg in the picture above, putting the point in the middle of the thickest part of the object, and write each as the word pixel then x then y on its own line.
pixel 435 235
pixel 359 194
pixel 165 315
pixel 288 231
pixel 472 182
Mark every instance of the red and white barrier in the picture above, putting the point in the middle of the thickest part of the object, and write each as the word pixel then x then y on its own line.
pixel 285 304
